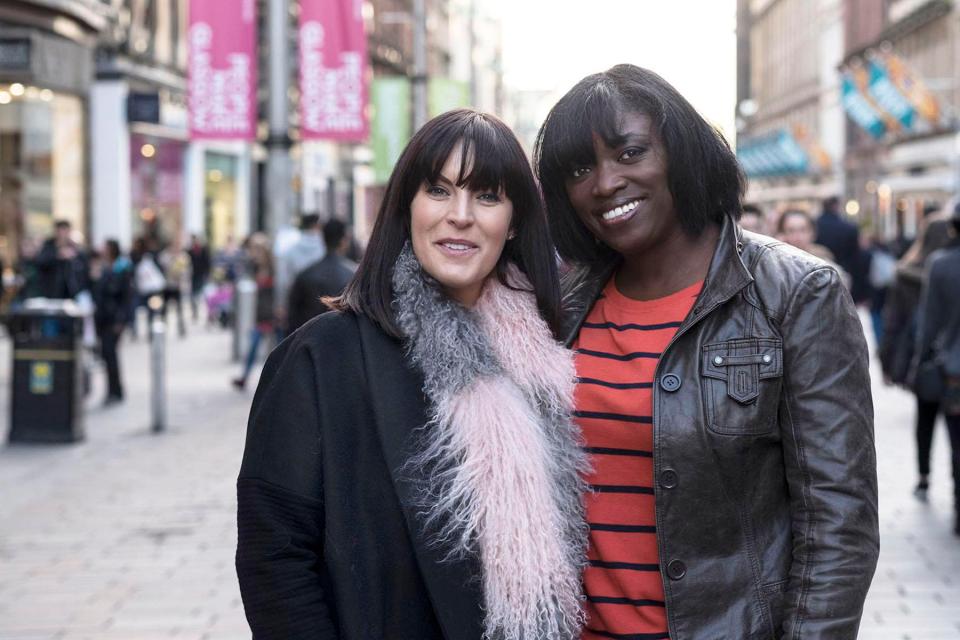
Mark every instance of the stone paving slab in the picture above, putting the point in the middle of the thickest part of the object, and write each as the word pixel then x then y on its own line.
pixel 130 535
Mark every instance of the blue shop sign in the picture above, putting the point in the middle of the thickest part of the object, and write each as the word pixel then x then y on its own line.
pixel 888 97
pixel 773 154
pixel 860 110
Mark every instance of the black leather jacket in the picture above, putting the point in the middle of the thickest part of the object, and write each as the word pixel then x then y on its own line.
pixel 764 457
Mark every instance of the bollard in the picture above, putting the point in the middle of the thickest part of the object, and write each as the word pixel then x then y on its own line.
pixel 244 316
pixel 158 400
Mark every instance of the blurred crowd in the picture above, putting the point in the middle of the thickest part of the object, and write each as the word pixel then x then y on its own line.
pixel 909 287
pixel 115 290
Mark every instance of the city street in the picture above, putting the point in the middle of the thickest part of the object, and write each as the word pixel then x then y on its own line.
pixel 130 535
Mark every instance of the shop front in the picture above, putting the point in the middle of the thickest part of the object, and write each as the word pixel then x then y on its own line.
pixel 43 144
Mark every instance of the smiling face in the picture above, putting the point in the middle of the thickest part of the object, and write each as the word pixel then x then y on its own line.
pixel 458 234
pixel 623 197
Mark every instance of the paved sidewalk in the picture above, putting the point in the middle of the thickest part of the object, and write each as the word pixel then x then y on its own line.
pixel 131 535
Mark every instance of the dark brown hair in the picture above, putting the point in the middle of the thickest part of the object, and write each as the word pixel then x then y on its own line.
pixel 492 159
pixel 702 172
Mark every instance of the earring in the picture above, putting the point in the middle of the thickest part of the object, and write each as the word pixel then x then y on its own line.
pixel 511 235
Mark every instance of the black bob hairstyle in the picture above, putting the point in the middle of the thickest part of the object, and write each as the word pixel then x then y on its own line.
pixel 703 175
pixel 492 160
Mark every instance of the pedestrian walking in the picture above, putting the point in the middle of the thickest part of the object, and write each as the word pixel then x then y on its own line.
pixel 199 272
pixel 112 293
pixel 259 264
pixel 175 263
pixel 900 335
pixel 753 219
pixel 325 278
pixel 308 248
pixel 411 469
pixel 842 239
pixel 937 370
pixel 62 265
pixel 149 280
pixel 734 471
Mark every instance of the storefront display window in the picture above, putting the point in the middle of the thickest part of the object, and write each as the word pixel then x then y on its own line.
pixel 220 198
pixel 156 187
pixel 42 165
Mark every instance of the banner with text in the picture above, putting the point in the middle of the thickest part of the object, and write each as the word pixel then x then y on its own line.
pixel 392 126
pixel 333 71
pixel 223 70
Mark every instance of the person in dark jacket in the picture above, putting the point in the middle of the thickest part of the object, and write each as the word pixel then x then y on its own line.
pixel 199 271
pixel 62 266
pixel 112 293
pixel 900 336
pixel 411 470
pixel 259 263
pixel 938 339
pixel 326 277
pixel 842 238
pixel 733 453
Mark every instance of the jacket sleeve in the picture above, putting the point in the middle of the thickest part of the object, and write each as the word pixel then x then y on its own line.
pixel 929 313
pixel 830 459
pixel 279 504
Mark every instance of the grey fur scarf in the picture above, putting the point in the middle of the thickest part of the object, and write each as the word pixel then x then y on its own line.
pixel 504 460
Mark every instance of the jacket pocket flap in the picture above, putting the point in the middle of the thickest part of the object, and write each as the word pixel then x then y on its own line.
pixel 764 353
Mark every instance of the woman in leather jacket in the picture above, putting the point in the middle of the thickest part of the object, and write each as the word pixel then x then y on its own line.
pixel 723 389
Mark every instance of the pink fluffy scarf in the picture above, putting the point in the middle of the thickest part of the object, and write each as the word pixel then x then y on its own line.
pixel 504 458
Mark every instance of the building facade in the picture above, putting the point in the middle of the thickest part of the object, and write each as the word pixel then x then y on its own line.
pixel 914 164
pixel 790 122
pixel 853 98
pixel 47 53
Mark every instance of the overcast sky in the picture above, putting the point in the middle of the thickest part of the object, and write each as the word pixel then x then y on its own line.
pixel 551 44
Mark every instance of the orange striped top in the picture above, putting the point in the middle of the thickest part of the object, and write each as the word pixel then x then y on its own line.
pixel 617 353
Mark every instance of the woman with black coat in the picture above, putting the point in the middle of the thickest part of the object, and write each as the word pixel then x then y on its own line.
pixel 411 469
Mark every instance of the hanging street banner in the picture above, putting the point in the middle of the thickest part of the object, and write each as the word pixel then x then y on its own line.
pixel 392 123
pixel 913 88
pixel 887 96
pixel 444 94
pixel 860 110
pixel 333 71
pixel 223 70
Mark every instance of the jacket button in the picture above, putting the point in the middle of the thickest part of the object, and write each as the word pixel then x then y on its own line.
pixel 767 359
pixel 718 360
pixel 676 570
pixel 670 382
pixel 669 479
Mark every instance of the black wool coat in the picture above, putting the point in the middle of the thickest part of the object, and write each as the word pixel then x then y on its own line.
pixel 330 542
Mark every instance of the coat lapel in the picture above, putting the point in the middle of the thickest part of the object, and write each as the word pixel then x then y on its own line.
pixel 400 408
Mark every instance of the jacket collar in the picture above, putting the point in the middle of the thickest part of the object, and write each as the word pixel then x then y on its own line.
pixel 399 407
pixel 726 277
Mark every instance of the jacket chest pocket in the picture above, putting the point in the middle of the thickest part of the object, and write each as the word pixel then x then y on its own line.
pixel 741 382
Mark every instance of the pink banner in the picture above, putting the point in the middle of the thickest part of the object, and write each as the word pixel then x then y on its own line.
pixel 223 69
pixel 333 71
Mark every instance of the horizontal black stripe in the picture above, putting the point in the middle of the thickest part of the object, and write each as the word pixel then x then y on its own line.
pixel 631 327
pixel 630 636
pixel 630 601
pixel 600 415
pixel 623 357
pixel 613 488
pixel 622 528
pixel 608 451
pixel 616 385
pixel 629 566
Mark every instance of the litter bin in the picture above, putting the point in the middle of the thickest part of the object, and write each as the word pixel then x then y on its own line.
pixel 46 399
